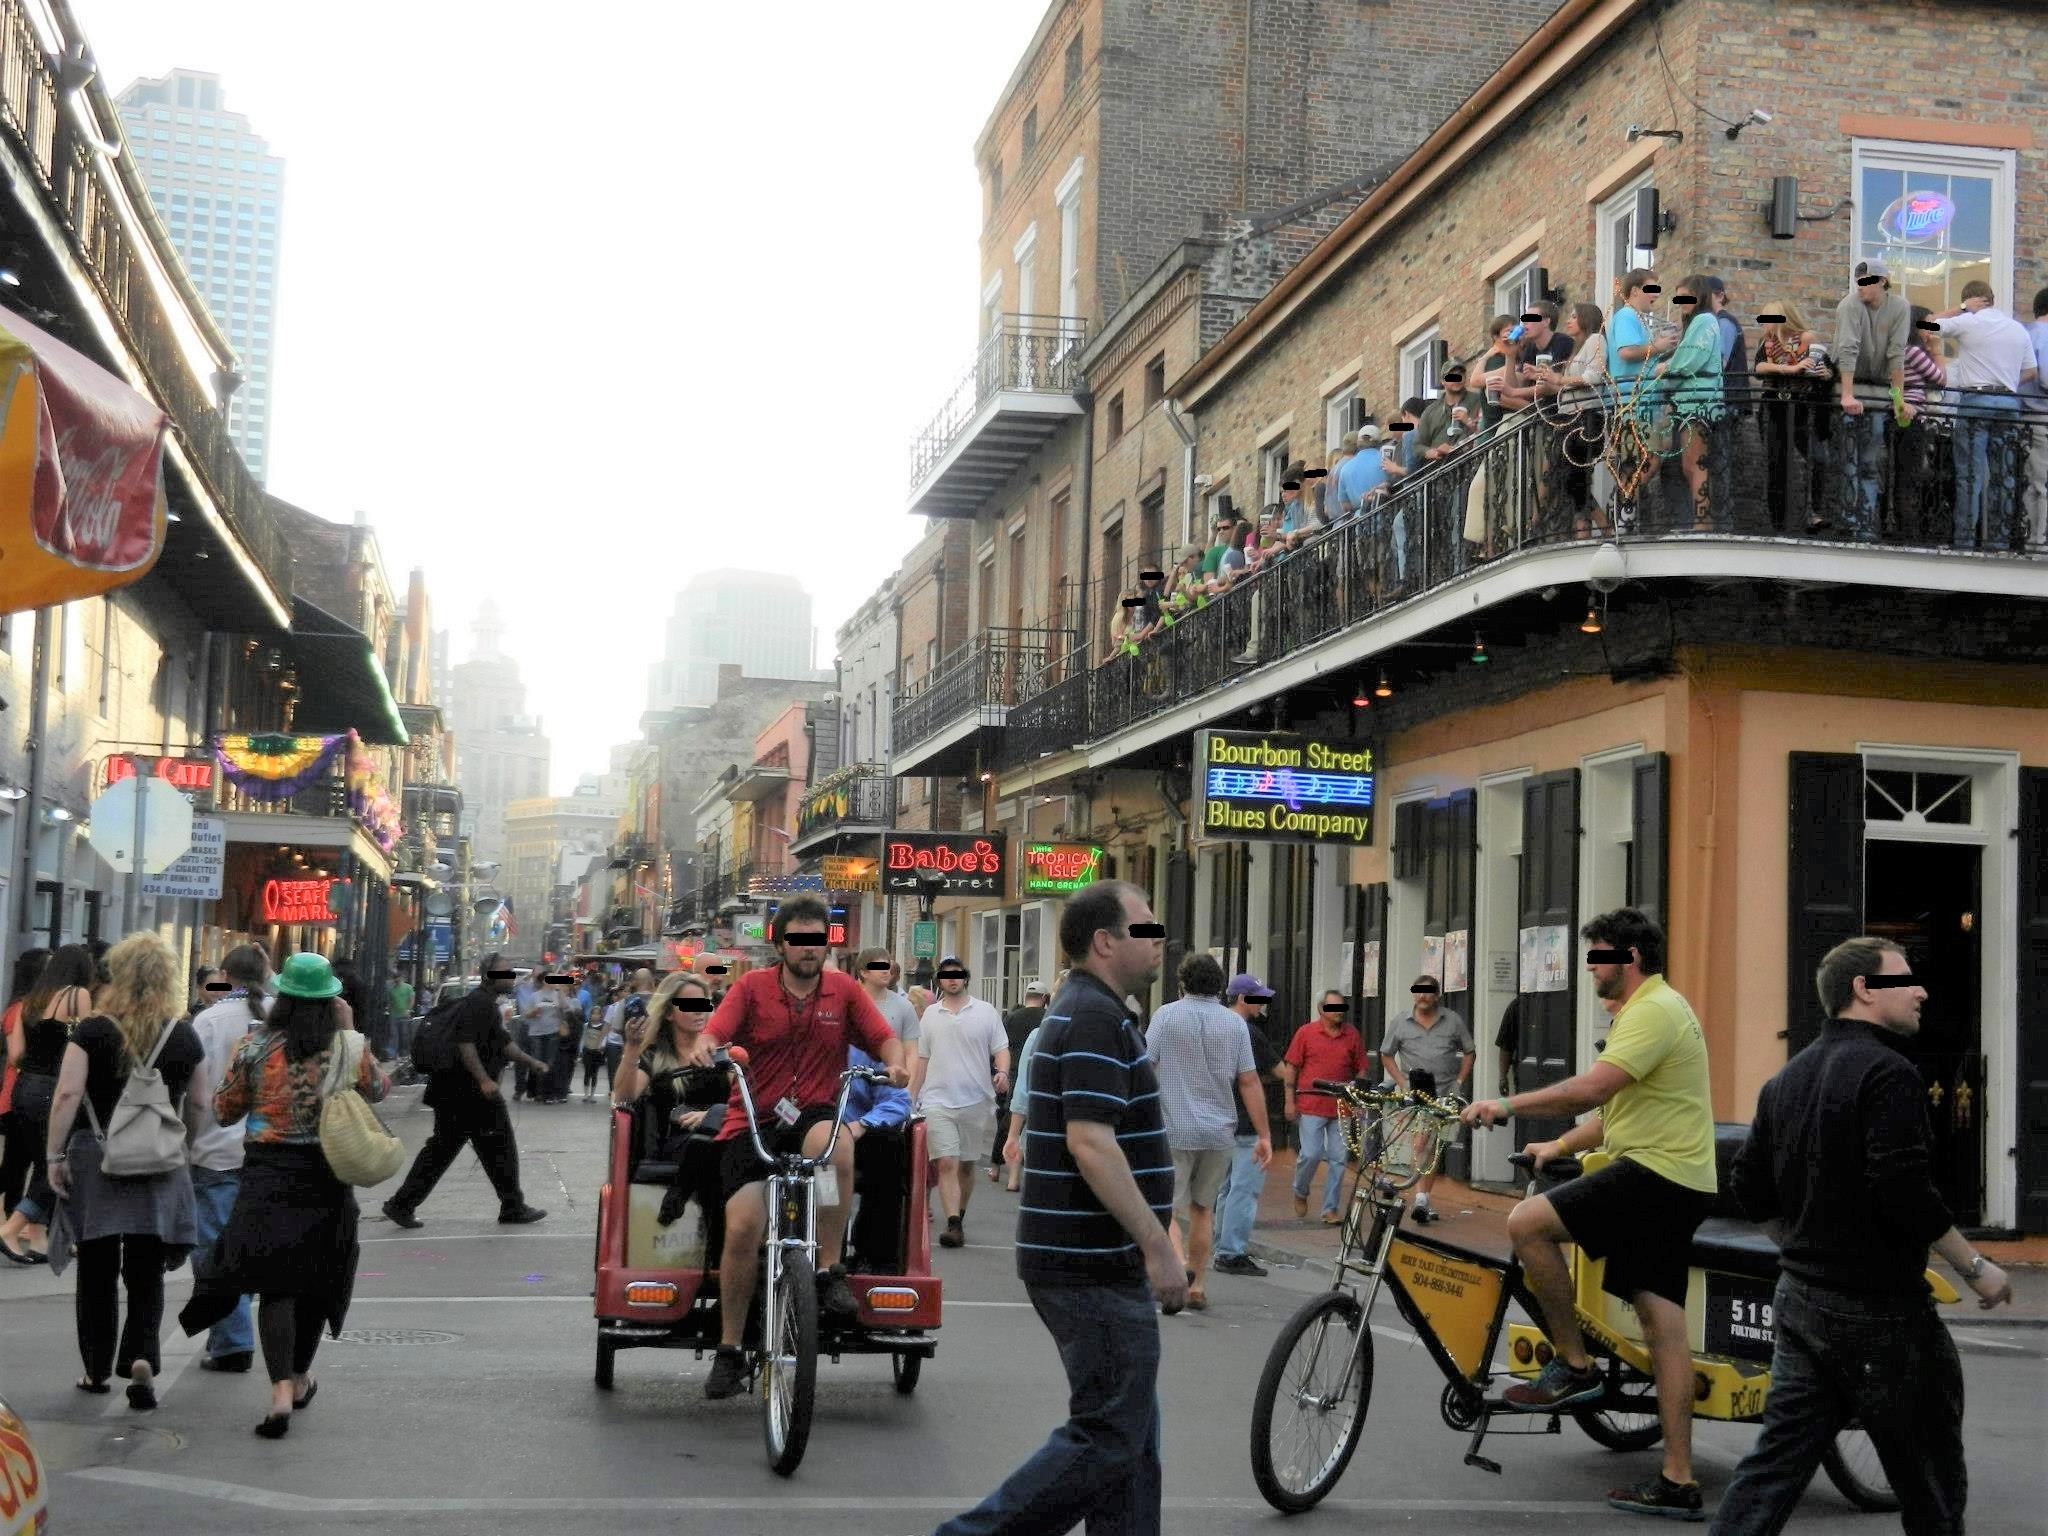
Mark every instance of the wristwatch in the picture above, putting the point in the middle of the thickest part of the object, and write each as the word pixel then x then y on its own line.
pixel 1976 1267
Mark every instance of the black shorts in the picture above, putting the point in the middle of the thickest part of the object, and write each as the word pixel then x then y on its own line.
pixel 742 1165
pixel 1640 1222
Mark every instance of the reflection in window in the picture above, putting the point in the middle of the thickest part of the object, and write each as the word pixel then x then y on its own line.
pixel 1940 221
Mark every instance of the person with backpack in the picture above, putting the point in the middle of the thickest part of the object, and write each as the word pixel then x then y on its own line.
pixel 292 1237
pixel 119 1170
pixel 463 1049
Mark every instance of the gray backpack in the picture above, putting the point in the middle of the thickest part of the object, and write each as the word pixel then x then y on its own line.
pixel 145 1135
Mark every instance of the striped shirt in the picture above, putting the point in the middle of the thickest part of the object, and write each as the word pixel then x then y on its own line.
pixel 1923 372
pixel 1089 1064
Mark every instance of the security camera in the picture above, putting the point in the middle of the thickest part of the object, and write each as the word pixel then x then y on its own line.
pixel 1203 482
pixel 1635 131
pixel 1607 570
pixel 1759 115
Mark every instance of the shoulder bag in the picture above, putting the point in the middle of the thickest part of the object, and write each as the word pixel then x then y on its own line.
pixel 355 1142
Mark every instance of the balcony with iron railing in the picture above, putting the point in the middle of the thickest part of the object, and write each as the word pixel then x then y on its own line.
pixel 856 801
pixel 105 219
pixel 939 726
pixel 1020 387
pixel 1784 490
pixel 325 799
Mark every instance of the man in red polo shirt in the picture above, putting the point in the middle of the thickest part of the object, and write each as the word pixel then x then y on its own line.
pixel 1326 1049
pixel 795 1022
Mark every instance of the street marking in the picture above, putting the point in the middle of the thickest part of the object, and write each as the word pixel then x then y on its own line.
pixel 176 1355
pixel 304 1504
pixel 478 1237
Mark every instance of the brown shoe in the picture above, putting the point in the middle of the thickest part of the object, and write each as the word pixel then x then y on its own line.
pixel 1301 1207
pixel 1333 1218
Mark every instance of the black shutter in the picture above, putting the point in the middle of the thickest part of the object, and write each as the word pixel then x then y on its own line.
pixel 1408 839
pixel 1824 905
pixel 1461 817
pixel 1547 1048
pixel 1179 917
pixel 2033 1001
pixel 1369 926
pixel 1650 837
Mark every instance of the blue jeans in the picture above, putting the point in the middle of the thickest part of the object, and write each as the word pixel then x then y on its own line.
pixel 1322 1140
pixel 213 1197
pixel 1979 508
pixel 1237 1202
pixel 1102 1465
pixel 1887 1362
pixel 1863 469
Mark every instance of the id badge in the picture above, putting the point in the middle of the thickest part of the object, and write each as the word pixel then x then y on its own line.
pixel 786 1111
pixel 828 1186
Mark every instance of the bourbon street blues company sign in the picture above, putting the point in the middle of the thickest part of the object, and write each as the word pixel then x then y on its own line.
pixel 1276 787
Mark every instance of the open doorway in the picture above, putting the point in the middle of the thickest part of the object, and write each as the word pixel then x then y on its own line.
pixel 1927 898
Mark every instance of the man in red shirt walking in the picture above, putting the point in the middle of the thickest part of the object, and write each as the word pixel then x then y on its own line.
pixel 796 1023
pixel 1330 1050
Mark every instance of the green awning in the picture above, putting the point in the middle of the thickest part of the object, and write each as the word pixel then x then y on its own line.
pixel 342 686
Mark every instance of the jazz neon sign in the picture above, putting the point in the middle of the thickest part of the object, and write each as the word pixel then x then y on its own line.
pixel 1052 869
pixel 297 901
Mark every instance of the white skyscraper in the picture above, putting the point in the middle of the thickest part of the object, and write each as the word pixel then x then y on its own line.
pixel 220 191
pixel 758 621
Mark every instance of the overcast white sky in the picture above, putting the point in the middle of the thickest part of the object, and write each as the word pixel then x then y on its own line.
pixel 574 302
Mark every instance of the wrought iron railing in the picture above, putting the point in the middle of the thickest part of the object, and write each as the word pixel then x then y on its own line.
pixel 1033 354
pixel 860 798
pixel 325 797
pixel 84 192
pixel 1000 667
pixel 1774 465
pixel 1054 720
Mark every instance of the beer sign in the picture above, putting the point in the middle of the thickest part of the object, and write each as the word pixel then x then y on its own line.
pixel 1270 786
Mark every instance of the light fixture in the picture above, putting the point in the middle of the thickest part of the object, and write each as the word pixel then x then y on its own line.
pixel 1590 625
pixel 1479 656
pixel 1361 696
pixel 1384 689
pixel 12 791
pixel 987 777
pixel 10 277
pixel 58 813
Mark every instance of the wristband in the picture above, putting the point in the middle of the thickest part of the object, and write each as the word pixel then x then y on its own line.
pixel 1507 1111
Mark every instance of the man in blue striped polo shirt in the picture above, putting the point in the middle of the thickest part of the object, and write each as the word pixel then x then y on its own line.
pixel 1092 1246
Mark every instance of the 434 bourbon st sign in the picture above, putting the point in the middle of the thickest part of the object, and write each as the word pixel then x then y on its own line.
pixel 971 863
pixel 1283 788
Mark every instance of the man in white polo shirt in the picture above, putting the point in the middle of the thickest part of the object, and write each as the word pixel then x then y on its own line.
pixel 962 1063
pixel 1994 359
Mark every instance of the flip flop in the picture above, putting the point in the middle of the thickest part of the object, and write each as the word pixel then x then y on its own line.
pixel 312 1388
pixel 97 1388
pixel 142 1392
pixel 275 1426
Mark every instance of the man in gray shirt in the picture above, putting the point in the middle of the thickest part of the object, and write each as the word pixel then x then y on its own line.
pixel 1872 325
pixel 1202 1053
pixel 1430 1049
pixel 876 969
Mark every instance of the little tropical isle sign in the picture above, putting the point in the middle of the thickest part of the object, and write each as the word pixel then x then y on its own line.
pixel 1056 869
pixel 1277 787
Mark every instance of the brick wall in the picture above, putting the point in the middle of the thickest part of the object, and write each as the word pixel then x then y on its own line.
pixel 1798 59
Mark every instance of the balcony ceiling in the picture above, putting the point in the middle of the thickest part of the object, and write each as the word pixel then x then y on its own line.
pixel 758 783
pixel 1010 427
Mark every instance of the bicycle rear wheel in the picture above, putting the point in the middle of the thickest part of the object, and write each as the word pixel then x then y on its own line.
pixel 789 1375
pixel 1852 1466
pixel 1310 1409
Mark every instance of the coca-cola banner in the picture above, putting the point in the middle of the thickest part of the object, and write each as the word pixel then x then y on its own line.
pixel 971 863
pixel 81 473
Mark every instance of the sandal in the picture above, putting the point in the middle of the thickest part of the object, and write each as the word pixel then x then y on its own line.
pixel 275 1426
pixel 312 1387
pixel 1198 1300
pixel 141 1388
pixel 96 1388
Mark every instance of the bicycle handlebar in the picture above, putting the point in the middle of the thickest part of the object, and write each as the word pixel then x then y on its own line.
pixel 1564 1167
pixel 807 1165
pixel 1447 1107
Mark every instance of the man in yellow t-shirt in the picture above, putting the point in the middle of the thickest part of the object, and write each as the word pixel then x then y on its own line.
pixel 1639 1212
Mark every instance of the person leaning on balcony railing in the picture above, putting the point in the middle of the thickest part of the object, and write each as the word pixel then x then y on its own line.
pixel 1791 367
pixel 1917 514
pixel 1574 397
pixel 1872 326
pixel 1994 360
pixel 1450 419
pixel 1127 626
pixel 1690 376
pixel 2034 401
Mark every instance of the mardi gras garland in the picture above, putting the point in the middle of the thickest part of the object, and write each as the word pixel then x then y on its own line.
pixel 271 768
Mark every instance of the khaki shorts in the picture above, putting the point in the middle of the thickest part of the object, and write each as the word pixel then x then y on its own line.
pixel 966 1134
pixel 1197 1176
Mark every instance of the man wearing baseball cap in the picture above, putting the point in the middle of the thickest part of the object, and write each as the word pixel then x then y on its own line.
pixel 1326 1049
pixel 1872 327
pixel 1237 1202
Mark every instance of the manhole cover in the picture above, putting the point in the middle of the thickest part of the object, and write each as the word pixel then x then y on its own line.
pixel 395 1336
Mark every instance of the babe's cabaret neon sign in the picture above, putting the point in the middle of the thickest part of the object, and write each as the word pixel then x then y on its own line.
pixel 982 858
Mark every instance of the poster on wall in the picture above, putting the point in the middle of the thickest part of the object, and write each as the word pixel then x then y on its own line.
pixel 1433 956
pixel 1372 967
pixel 1525 974
pixel 1457 975
pixel 1546 958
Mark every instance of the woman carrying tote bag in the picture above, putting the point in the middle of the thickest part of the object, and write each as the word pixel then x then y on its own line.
pixel 291 1239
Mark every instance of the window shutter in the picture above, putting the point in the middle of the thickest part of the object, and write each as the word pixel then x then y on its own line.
pixel 1651 819
pixel 1408 849
pixel 1547 1047
pixel 1825 903
pixel 1369 926
pixel 2033 1001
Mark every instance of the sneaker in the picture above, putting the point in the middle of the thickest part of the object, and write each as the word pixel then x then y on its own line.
pixel 525 1216
pixel 1333 1218
pixel 1558 1386
pixel 1421 1214
pixel 399 1216
pixel 728 1374
pixel 835 1296
pixel 1241 1264
pixel 952 1237
pixel 1660 1496
pixel 1301 1207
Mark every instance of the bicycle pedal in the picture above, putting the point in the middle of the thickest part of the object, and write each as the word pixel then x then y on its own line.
pixel 1483 1463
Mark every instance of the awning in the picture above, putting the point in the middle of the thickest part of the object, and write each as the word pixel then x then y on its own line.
pixel 81 473
pixel 341 683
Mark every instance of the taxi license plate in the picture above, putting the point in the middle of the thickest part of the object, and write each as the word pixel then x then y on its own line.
pixel 1740 1319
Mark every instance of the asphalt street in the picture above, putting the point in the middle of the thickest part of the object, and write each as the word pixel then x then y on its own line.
pixel 461 1401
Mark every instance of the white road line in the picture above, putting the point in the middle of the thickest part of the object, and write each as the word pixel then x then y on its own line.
pixel 478 1237
pixel 178 1353
pixel 304 1504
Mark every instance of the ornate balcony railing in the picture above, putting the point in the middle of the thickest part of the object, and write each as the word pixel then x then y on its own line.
pixel 1790 470
pixel 1000 667
pixel 1029 354
pixel 1055 720
pixel 85 192
pixel 859 795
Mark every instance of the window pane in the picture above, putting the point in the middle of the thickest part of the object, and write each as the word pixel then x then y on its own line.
pixel 1881 188
pixel 1971 229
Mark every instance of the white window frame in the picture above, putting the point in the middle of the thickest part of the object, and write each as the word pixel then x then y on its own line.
pixel 1417 364
pixel 1027 275
pixel 1948 159
pixel 991 306
pixel 1340 415
pixel 1614 210
pixel 1067 198
pixel 1515 289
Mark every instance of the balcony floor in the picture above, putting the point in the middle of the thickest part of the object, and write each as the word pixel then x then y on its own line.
pixel 1007 430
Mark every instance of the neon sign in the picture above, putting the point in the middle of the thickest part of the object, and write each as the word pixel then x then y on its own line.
pixel 1917 216
pixel 1283 788
pixel 967 862
pixel 1054 869
pixel 297 901
pixel 194 775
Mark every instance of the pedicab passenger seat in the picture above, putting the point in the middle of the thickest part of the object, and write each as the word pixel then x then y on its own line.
pixel 1728 1240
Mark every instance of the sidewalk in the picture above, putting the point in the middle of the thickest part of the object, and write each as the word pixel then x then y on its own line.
pixel 1478 1219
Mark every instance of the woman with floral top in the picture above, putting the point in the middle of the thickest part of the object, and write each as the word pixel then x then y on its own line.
pixel 1690 376
pixel 291 1239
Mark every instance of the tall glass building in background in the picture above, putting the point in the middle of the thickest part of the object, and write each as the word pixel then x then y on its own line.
pixel 220 190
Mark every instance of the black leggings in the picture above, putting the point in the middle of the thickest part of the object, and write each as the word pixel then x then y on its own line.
pixel 290 1331
pixel 105 1265
pixel 592 1060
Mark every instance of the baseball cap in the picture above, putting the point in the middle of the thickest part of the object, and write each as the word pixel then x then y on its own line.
pixel 1370 433
pixel 1244 984
pixel 1034 988
pixel 1873 266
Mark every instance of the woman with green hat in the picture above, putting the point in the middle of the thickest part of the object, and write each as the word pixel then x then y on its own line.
pixel 292 1237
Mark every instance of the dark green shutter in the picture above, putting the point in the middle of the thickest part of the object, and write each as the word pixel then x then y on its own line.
pixel 1547 1049
pixel 2033 1002
pixel 1650 819
pixel 1824 903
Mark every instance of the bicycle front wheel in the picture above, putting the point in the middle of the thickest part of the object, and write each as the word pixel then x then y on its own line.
pixel 1310 1409
pixel 789 1373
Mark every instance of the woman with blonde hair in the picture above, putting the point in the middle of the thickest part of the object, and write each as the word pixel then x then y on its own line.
pixel 1791 370
pixel 124 1232
pixel 687 1103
